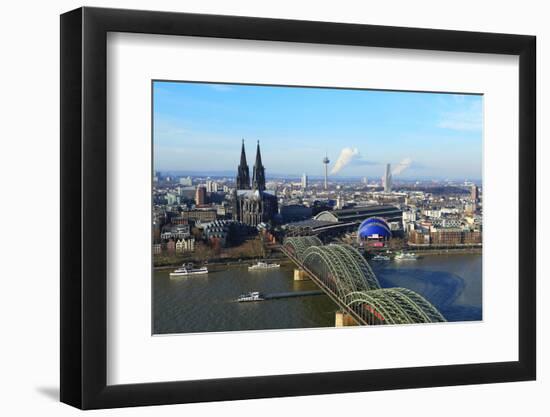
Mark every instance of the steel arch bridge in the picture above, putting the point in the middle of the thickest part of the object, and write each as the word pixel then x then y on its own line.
pixel 341 268
pixel 347 278
pixel 393 306
pixel 298 245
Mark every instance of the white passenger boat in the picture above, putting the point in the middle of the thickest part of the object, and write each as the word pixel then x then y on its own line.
pixel 188 269
pixel 263 266
pixel 380 258
pixel 406 256
pixel 250 296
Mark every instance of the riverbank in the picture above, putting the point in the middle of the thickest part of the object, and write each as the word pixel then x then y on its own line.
pixel 455 251
pixel 285 261
pixel 215 264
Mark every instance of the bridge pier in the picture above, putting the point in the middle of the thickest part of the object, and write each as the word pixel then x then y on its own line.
pixel 342 319
pixel 300 275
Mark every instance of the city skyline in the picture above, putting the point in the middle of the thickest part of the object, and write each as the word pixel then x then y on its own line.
pixel 198 128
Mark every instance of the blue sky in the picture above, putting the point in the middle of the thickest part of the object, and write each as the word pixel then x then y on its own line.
pixel 199 127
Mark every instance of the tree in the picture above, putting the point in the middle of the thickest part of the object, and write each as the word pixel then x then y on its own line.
pixel 257 248
pixel 202 252
pixel 216 246
pixel 197 233
pixel 396 243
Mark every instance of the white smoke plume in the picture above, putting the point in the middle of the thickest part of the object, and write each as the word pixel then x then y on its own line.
pixel 346 156
pixel 401 166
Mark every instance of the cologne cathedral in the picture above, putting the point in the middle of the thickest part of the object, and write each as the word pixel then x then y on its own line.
pixel 252 204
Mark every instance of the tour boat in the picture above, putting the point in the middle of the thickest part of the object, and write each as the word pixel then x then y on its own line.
pixel 406 257
pixel 263 265
pixel 250 296
pixel 188 269
pixel 380 258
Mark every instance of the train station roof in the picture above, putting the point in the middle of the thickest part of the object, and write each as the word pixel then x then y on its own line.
pixel 359 213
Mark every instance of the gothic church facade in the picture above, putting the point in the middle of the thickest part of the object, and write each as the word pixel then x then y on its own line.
pixel 252 203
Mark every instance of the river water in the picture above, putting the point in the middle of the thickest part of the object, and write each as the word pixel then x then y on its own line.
pixel 205 303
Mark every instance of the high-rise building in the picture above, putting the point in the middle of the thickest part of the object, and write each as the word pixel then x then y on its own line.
pixel 474 196
pixel 304 181
pixel 243 173
pixel 200 195
pixel 326 161
pixel 387 179
pixel 340 202
pixel 211 186
pixel 171 198
pixel 474 193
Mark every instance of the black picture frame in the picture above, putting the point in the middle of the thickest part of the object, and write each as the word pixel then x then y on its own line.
pixel 84 207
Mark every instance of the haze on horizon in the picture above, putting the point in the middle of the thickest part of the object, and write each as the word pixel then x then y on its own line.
pixel 198 127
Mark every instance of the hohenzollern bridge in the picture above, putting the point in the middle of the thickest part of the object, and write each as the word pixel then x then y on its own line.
pixel 347 278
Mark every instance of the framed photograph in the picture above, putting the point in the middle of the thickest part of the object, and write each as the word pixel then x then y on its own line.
pixel 257 208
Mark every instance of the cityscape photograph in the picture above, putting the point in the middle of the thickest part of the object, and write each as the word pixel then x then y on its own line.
pixel 282 207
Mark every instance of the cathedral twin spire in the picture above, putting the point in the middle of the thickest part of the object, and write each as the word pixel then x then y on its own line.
pixel 258 173
pixel 243 174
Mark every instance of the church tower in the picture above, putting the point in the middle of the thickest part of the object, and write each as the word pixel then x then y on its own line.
pixel 252 205
pixel 258 175
pixel 243 173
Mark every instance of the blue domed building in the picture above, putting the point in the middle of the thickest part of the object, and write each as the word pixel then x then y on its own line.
pixel 374 228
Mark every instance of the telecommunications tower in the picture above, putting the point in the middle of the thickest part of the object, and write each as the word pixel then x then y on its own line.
pixel 326 161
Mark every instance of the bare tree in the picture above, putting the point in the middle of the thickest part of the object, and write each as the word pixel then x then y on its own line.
pixel 202 252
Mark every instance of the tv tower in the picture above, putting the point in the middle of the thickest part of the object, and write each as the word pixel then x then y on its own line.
pixel 326 161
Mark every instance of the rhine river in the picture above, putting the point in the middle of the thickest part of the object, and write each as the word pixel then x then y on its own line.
pixel 205 303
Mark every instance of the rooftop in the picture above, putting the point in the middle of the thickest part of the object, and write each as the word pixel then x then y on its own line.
pixel 359 213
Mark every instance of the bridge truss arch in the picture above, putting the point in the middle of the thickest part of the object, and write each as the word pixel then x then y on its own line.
pixel 298 245
pixel 341 268
pixel 344 274
pixel 392 306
